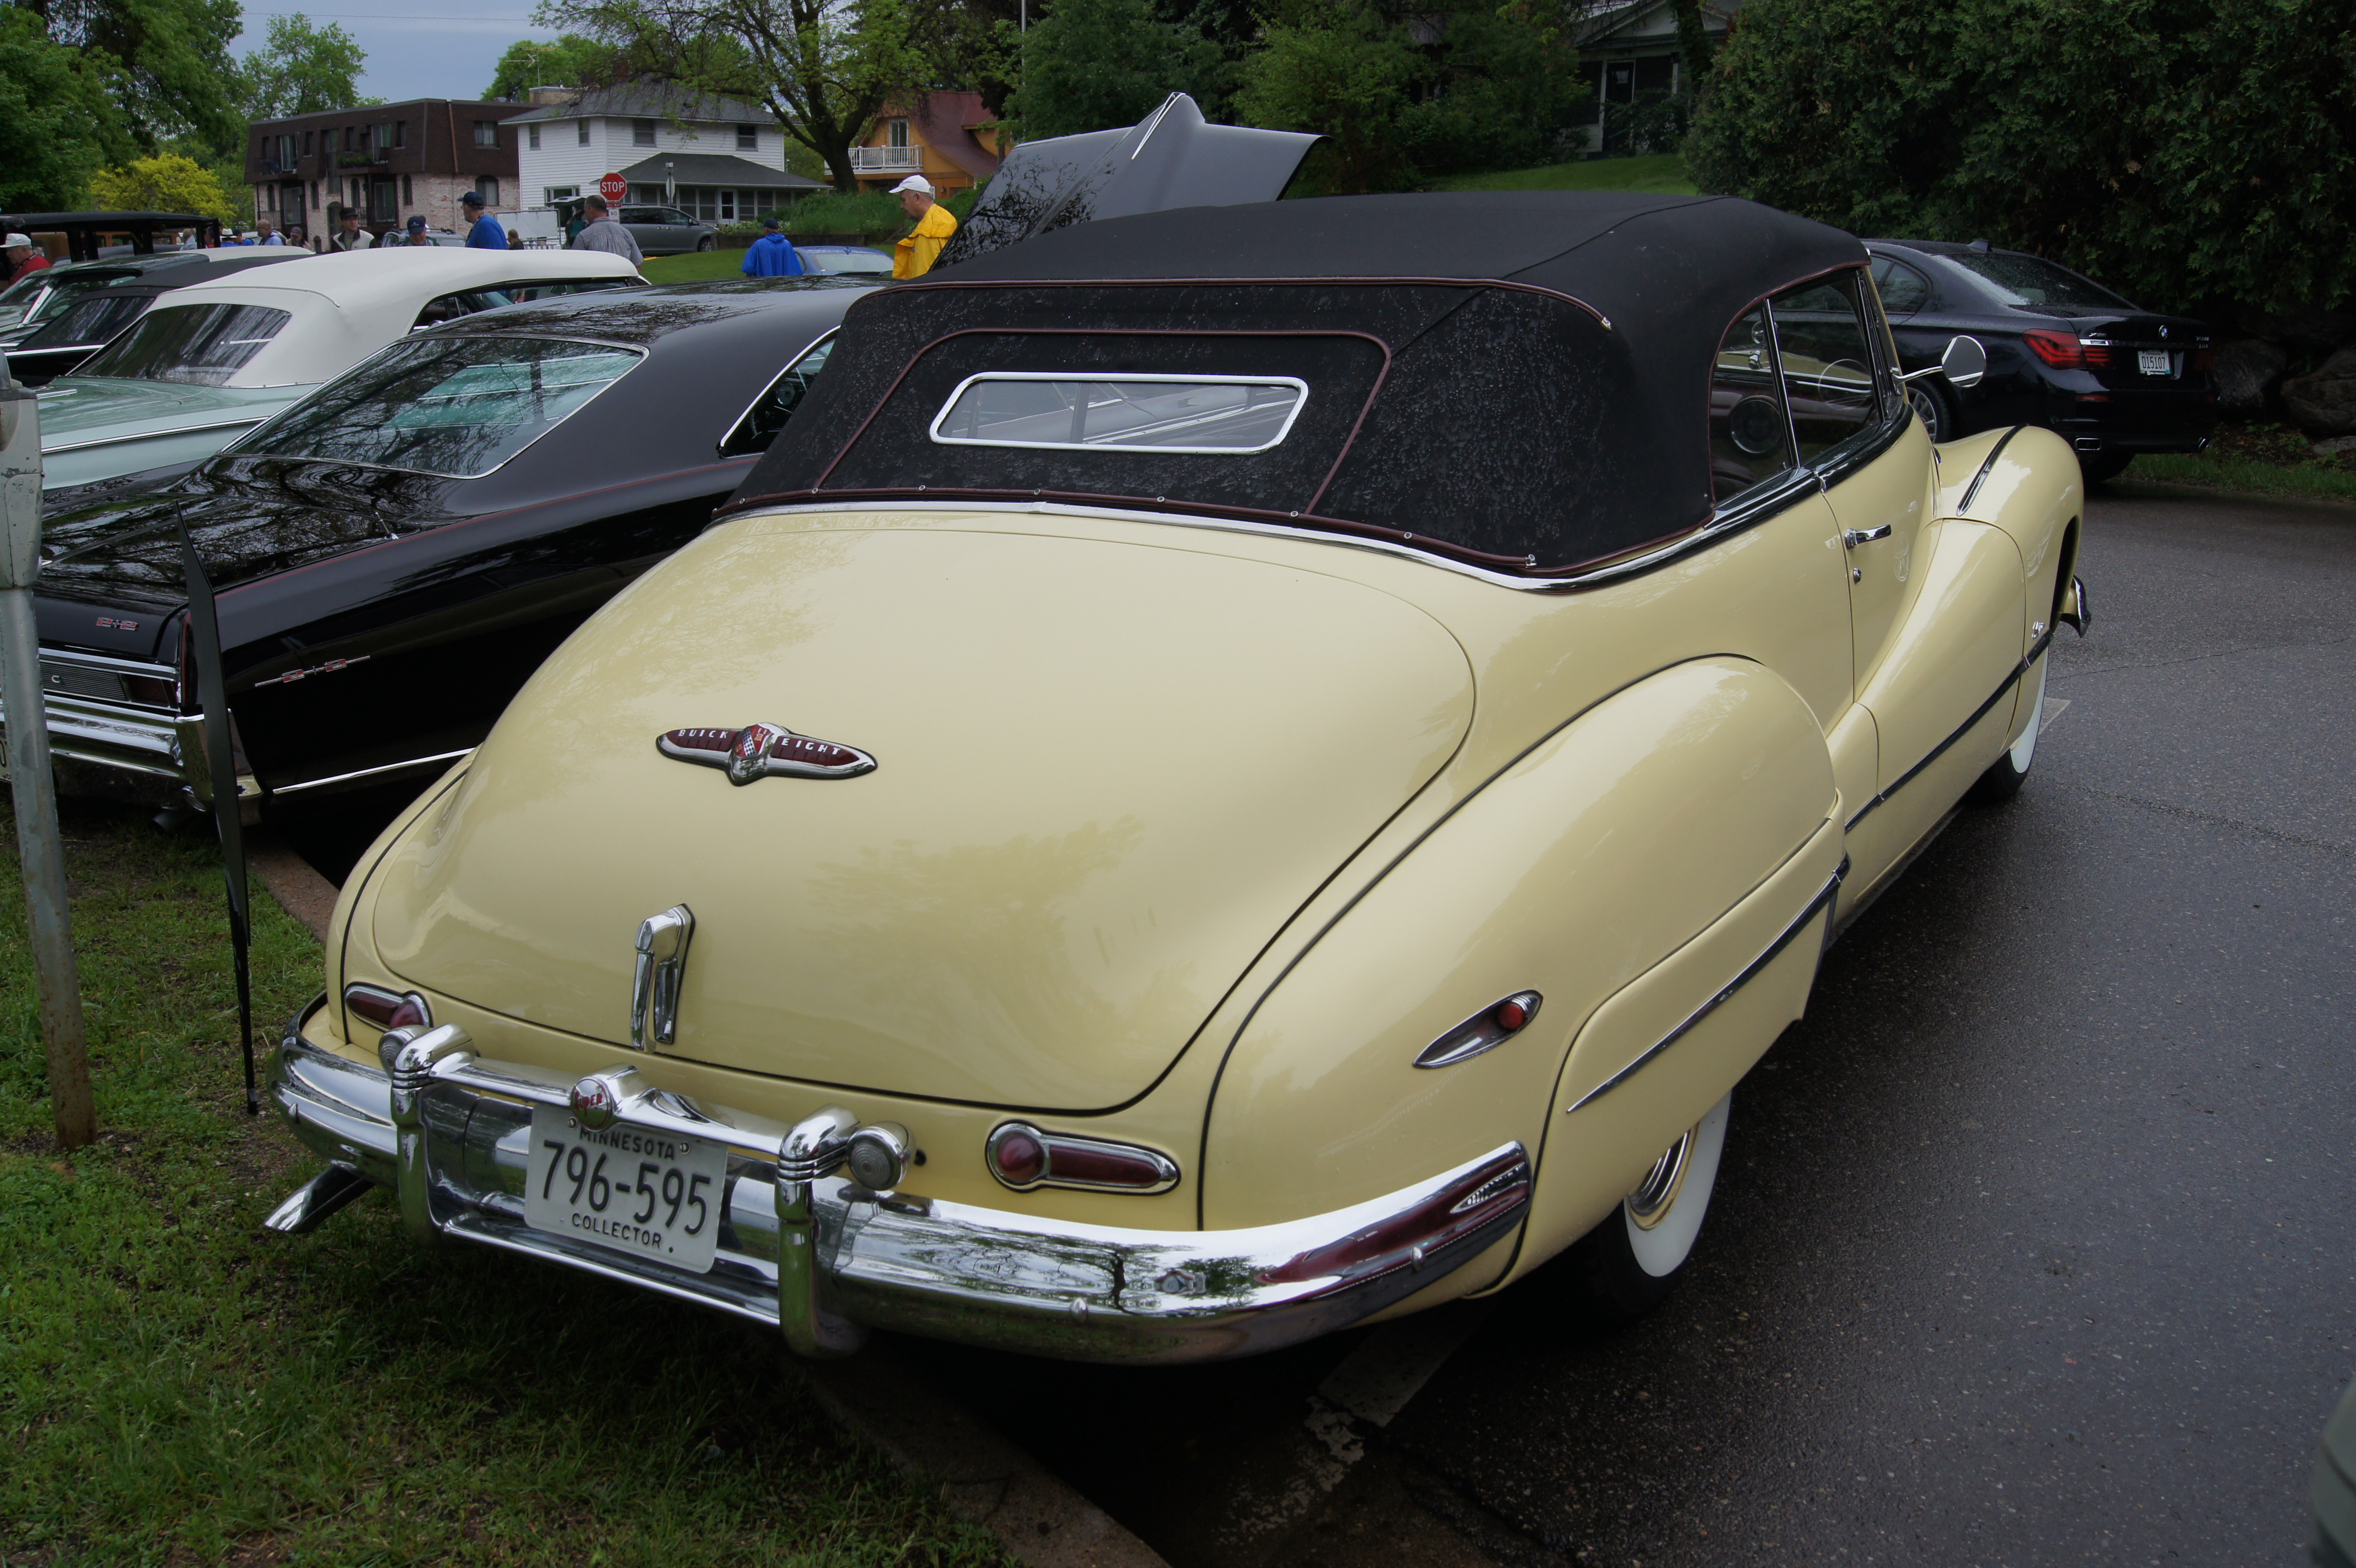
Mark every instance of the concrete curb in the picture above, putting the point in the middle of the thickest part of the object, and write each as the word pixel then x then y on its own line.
pixel 982 1478
pixel 300 891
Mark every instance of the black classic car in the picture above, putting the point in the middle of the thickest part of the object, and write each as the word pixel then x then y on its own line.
pixel 104 297
pixel 394 556
pixel 2108 376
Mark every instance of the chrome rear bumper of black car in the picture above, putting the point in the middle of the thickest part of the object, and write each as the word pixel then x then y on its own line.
pixel 824 1260
pixel 91 726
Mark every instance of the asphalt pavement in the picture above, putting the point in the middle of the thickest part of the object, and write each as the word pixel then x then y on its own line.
pixel 2032 1241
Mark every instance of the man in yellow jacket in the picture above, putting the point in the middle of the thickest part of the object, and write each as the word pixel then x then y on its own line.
pixel 935 223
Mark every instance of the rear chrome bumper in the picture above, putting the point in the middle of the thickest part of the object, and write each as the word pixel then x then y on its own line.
pixel 126 738
pixel 824 1260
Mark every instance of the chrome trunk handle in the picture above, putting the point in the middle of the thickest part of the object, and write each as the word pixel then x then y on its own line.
pixel 661 971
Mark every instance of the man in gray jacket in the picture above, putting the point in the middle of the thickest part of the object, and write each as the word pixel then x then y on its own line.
pixel 603 234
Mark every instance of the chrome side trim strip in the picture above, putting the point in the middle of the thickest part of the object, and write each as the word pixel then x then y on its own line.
pixel 372 772
pixel 2036 651
pixel 1986 463
pixel 154 436
pixel 1815 906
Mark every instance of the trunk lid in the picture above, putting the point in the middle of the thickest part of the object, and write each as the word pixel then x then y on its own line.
pixel 1106 774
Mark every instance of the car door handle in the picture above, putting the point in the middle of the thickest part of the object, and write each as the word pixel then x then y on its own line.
pixel 1854 537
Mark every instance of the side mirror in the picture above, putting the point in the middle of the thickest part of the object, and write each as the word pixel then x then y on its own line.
pixel 1964 363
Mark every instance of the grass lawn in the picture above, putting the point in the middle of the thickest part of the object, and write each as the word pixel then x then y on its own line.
pixel 695 266
pixel 2262 458
pixel 178 1387
pixel 1663 172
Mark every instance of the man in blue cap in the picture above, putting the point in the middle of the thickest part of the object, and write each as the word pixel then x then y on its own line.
pixel 417 235
pixel 484 231
pixel 772 255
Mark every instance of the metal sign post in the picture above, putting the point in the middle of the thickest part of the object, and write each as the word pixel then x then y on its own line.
pixel 38 847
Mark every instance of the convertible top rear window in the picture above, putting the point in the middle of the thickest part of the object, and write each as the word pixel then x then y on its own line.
pixel 1135 413
pixel 205 344
pixel 455 407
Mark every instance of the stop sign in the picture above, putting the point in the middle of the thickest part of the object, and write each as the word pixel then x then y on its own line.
pixel 613 187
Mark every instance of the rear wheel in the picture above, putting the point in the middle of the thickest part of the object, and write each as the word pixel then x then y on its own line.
pixel 2005 777
pixel 2098 467
pixel 1933 408
pixel 1627 1266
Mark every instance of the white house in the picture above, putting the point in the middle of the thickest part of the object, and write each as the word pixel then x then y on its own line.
pixel 714 159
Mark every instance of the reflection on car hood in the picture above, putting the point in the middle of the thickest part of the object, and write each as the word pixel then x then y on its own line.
pixel 280 516
pixel 75 409
pixel 1106 775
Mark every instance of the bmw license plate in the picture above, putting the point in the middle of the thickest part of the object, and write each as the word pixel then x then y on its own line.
pixel 2152 361
pixel 654 1195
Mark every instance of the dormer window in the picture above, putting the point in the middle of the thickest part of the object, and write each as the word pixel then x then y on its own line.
pixel 642 133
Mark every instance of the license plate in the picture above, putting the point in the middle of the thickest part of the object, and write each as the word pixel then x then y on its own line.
pixel 653 1194
pixel 2152 361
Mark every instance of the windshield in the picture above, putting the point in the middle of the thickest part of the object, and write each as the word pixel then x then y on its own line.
pixel 91 321
pixel 204 344
pixel 2032 281
pixel 458 407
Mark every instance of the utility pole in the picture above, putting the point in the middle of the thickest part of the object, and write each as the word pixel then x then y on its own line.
pixel 38 847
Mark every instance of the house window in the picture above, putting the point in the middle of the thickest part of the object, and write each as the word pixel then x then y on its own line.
pixel 363 144
pixel 487 187
pixel 549 194
pixel 584 132
pixel 727 207
pixel 642 133
pixel 308 143
pixel 899 129
pixel 533 131
pixel 401 132
pixel 384 142
pixel 487 133
pixel 407 199
pixel 748 139
pixel 315 194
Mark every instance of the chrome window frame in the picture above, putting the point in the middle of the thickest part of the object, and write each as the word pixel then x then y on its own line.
pixel 1157 379
pixel 738 423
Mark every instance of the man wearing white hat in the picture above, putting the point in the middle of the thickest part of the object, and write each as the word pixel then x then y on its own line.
pixel 935 223
pixel 24 256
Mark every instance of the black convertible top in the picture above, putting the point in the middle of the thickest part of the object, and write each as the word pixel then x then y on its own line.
pixel 1518 379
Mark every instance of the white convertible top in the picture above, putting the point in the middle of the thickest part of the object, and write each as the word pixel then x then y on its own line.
pixel 346 306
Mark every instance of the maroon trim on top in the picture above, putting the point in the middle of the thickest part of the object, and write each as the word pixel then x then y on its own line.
pixel 1380 376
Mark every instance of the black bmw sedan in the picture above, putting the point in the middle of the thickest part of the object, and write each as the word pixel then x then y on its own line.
pixel 2062 352
pixel 396 553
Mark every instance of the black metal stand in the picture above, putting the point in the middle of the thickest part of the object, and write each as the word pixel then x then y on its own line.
pixel 204 629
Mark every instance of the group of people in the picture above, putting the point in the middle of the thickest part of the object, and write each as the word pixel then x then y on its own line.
pixel 773 256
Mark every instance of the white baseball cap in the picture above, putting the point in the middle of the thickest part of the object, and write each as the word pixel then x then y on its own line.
pixel 913 182
pixel 13 241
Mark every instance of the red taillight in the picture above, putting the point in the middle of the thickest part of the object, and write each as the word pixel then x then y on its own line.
pixel 2067 351
pixel 1485 1030
pixel 1022 1157
pixel 389 1009
pixel 2205 358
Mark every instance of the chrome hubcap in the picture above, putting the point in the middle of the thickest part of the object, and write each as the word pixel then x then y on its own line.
pixel 1650 1203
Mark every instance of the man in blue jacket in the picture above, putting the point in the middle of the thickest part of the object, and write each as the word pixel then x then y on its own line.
pixel 772 255
pixel 484 231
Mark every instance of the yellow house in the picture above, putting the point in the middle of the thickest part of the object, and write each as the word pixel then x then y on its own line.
pixel 948 137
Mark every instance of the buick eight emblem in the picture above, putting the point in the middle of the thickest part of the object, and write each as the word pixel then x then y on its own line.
pixel 765 751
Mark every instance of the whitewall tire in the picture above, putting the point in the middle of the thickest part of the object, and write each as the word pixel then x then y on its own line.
pixel 2008 773
pixel 1625 1266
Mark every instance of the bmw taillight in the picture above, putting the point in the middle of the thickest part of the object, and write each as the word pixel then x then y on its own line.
pixel 2067 351
pixel 2205 358
pixel 389 1009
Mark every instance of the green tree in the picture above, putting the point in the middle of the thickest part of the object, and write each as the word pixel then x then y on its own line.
pixel 303 69
pixel 571 60
pixel 1092 64
pixel 824 67
pixel 2184 151
pixel 1398 96
pixel 167 64
pixel 53 110
pixel 165 183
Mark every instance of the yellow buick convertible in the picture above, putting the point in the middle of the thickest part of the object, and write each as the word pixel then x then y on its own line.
pixel 1234 771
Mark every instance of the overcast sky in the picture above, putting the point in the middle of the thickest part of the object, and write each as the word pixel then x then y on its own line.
pixel 416 49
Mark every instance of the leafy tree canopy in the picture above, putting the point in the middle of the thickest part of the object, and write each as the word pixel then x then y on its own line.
pixel 1402 95
pixel 304 70
pixel 53 110
pixel 572 61
pixel 2184 151
pixel 1097 63
pixel 165 183
pixel 167 65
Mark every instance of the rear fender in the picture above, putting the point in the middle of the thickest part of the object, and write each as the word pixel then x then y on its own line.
pixel 1600 851
pixel 2028 486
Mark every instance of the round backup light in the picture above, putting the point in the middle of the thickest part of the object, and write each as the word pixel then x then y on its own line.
pixel 878 1157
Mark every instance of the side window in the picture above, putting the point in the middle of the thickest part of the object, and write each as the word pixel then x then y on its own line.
pixel 1903 290
pixel 1750 439
pixel 1829 364
pixel 761 423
